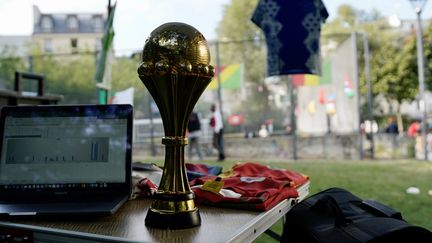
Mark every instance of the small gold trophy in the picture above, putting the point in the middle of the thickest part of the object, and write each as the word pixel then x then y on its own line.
pixel 175 69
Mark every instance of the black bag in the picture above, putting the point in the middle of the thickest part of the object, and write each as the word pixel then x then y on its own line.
pixel 335 215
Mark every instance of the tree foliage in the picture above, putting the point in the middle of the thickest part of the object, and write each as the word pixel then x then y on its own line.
pixel 124 75
pixel 427 48
pixel 394 71
pixel 70 76
pixel 241 41
pixel 9 63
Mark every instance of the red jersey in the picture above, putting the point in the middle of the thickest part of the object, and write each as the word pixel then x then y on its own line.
pixel 252 186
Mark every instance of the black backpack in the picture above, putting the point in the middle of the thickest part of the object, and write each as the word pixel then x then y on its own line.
pixel 335 215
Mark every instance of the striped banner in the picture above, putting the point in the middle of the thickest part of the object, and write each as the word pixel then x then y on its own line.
pixel 314 80
pixel 231 77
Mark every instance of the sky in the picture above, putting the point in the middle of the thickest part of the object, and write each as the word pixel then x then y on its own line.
pixel 135 19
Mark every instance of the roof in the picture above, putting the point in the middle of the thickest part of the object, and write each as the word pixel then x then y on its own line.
pixel 60 22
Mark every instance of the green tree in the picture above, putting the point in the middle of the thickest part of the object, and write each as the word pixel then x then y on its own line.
pixel 9 63
pixel 73 77
pixel 350 19
pixel 241 40
pixel 70 76
pixel 67 75
pixel 395 73
pixel 391 69
pixel 124 75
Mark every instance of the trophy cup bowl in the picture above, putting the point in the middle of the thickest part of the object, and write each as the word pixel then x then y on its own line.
pixel 175 69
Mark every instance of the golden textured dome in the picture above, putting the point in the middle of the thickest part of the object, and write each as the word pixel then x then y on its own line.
pixel 176 47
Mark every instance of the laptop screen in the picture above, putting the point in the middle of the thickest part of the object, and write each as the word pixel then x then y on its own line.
pixel 65 147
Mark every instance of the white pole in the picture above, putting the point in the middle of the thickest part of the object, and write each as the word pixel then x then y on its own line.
pixel 418 7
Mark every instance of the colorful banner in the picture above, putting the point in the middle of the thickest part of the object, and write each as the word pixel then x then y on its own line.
pixel 314 80
pixel 334 98
pixel 231 77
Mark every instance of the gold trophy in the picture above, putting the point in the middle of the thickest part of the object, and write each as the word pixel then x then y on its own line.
pixel 175 69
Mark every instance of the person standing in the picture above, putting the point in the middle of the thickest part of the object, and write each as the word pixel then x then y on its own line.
pixel 217 124
pixel 194 132
pixel 392 127
pixel 414 129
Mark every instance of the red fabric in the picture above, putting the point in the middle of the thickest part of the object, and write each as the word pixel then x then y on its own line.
pixel 321 96
pixel 212 122
pixel 261 188
pixel 258 170
pixel 201 168
pixel 198 170
pixel 259 196
pixel 298 79
pixel 413 129
pixel 145 187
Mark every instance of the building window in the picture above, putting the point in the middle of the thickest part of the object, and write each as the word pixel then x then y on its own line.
pixel 98 23
pixel 47 24
pixel 74 45
pixel 48 48
pixel 73 23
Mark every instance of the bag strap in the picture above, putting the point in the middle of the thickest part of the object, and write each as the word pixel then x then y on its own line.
pixel 382 229
pixel 380 209
pixel 328 204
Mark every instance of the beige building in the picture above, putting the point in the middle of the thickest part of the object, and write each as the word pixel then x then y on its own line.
pixel 66 33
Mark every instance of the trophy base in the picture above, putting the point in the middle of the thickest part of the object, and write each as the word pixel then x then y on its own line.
pixel 180 220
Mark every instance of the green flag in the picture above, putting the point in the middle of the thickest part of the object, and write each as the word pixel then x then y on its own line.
pixel 231 77
pixel 103 74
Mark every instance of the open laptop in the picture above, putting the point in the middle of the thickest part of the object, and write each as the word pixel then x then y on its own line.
pixel 57 160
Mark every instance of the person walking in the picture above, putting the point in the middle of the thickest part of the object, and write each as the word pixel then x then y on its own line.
pixel 217 124
pixel 194 132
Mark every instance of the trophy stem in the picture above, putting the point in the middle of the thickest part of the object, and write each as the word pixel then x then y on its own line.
pixel 174 207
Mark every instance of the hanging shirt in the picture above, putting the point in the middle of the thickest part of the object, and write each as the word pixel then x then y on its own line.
pixel 292 30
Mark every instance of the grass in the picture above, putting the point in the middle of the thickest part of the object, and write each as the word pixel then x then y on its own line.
pixel 384 181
